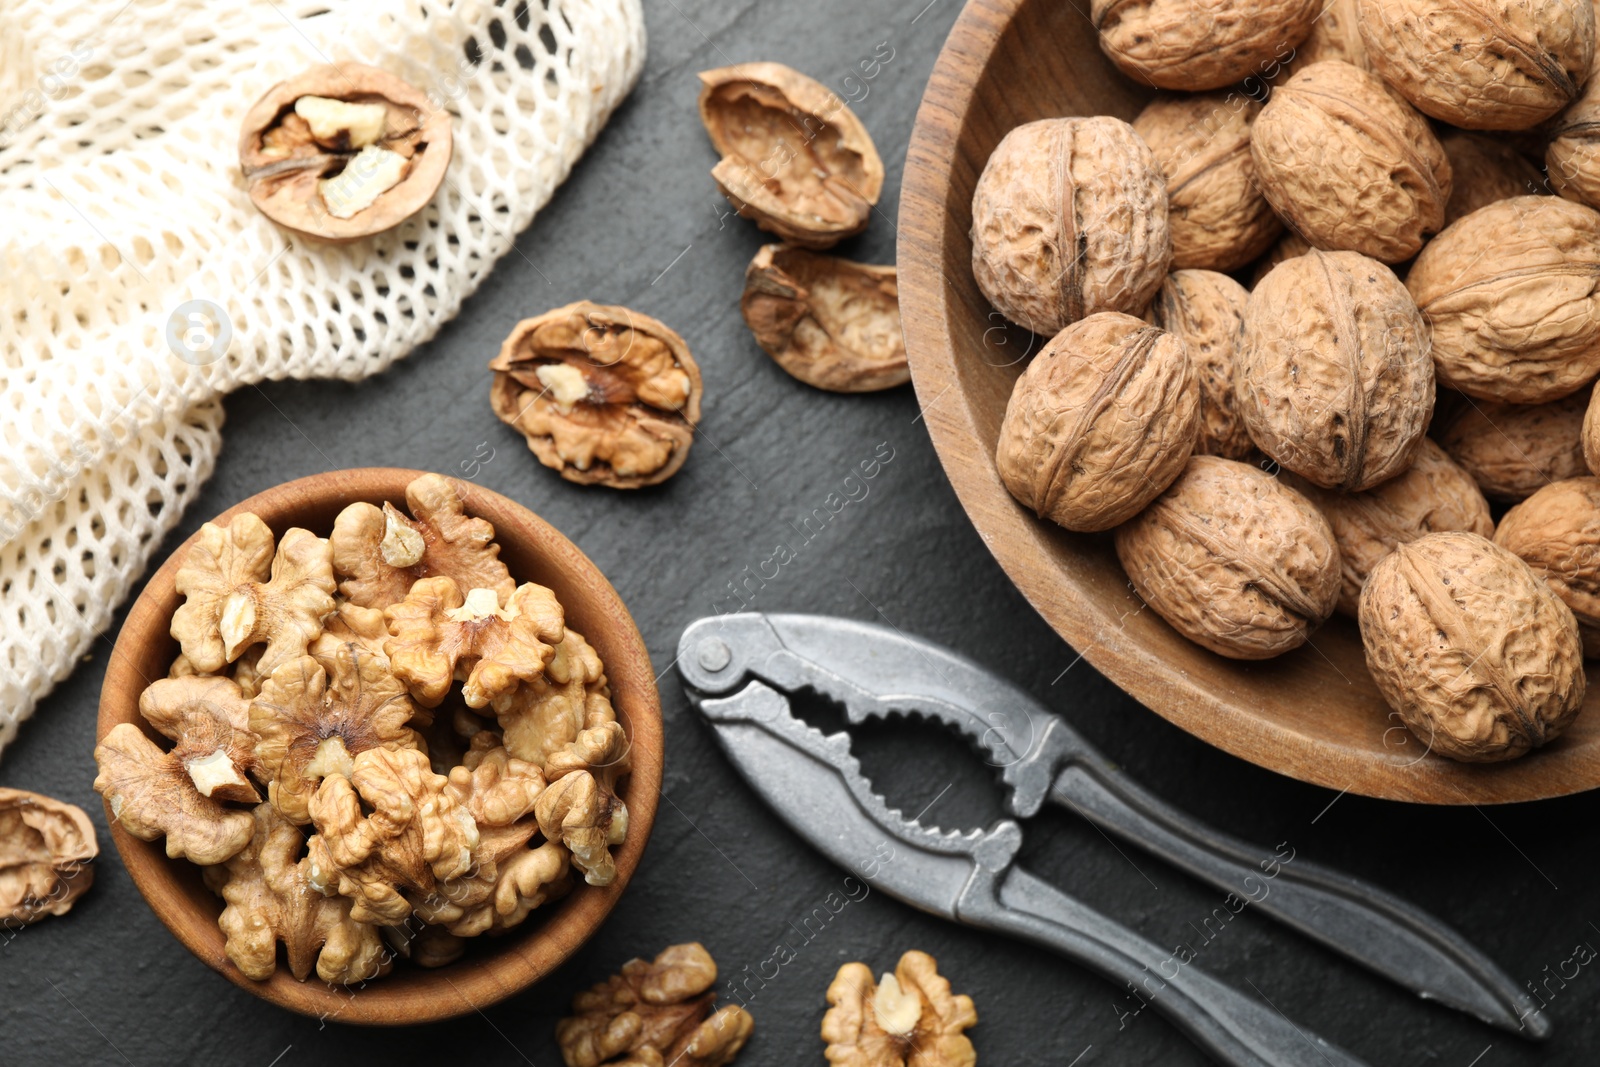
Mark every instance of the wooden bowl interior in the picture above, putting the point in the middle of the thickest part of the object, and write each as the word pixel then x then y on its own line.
pixel 1313 714
pixel 493 967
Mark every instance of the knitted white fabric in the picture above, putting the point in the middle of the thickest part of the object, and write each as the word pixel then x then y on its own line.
pixel 121 200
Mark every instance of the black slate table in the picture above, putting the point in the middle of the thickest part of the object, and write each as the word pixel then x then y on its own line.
pixel 640 223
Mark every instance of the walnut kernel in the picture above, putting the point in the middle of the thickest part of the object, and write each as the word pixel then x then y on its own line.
pixel 908 1018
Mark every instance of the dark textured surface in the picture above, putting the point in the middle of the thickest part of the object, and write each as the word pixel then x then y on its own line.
pixel 107 984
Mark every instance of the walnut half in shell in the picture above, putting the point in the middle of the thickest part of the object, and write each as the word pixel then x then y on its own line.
pixel 604 395
pixel 343 152
pixel 47 850
pixel 830 322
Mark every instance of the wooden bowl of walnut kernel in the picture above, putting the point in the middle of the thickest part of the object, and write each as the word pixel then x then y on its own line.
pixel 490 968
pixel 1313 713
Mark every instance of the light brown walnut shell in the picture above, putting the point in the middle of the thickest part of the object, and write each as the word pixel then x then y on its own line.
pixel 795 158
pixel 47 851
pixel 1572 156
pixel 1217 216
pixel 1200 44
pixel 1485 169
pixel 1101 421
pixel 1514 450
pixel 908 1018
pixel 1070 218
pixel 1334 380
pixel 1289 245
pixel 1350 166
pixel 1335 34
pixel 603 395
pixel 830 322
pixel 1233 559
pixel 1556 531
pixel 1482 64
pixel 1512 293
pixel 1433 495
pixel 1206 310
pixel 1591 431
pixel 1475 651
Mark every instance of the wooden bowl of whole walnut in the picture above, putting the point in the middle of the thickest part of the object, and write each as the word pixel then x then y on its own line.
pixel 1313 712
pixel 492 967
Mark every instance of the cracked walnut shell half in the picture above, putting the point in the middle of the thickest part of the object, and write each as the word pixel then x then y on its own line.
pixel 794 157
pixel 908 1018
pixel 829 322
pixel 47 851
pixel 343 152
pixel 604 395
pixel 1476 652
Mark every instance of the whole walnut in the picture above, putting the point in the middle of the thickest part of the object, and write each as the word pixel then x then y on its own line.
pixel 1433 495
pixel 1206 310
pixel 1348 165
pixel 1069 218
pixel 1200 44
pixel 1556 531
pixel 1334 379
pixel 1478 655
pixel 1510 294
pixel 1573 154
pixel 1484 170
pixel 1482 64
pixel 1233 559
pixel 1514 450
pixel 1591 431
pixel 1336 34
pixel 1218 217
pixel 1289 245
pixel 1101 421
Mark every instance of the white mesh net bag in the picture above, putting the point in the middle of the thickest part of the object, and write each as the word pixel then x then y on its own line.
pixel 122 200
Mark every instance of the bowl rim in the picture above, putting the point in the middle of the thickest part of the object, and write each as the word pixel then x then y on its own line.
pixel 1017 539
pixel 517 959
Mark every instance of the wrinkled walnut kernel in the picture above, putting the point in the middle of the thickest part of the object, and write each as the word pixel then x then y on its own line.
pixel 439 633
pixel 47 851
pixel 909 1018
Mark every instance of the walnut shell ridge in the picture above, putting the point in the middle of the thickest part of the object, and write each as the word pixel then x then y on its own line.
pixel 1334 379
pixel 1101 422
pixel 1514 450
pixel 1478 655
pixel 1482 64
pixel 1218 217
pixel 1206 310
pixel 1348 165
pixel 1069 218
pixel 1556 531
pixel 1233 559
pixel 1520 323
pixel 1200 44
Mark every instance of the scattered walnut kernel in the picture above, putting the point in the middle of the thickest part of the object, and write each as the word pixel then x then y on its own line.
pixel 830 322
pixel 1485 169
pixel 1069 218
pixel 1101 422
pixel 1556 531
pixel 1218 217
pixel 794 158
pixel 908 1018
pixel 341 153
pixel 1482 64
pixel 1233 559
pixel 47 851
pixel 1205 310
pixel 1177 44
pixel 603 395
pixel 1521 325
pixel 655 1013
pixel 1513 450
pixel 1478 655
pixel 1350 166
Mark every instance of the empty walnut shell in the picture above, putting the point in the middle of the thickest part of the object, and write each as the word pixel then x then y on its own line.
pixel 1218 218
pixel 1514 450
pixel 1482 64
pixel 1206 310
pixel 604 395
pixel 795 159
pixel 1510 293
pixel 1178 44
pixel 1100 422
pixel 47 849
pixel 1483 170
pixel 1233 559
pixel 1434 495
pixel 1350 166
pixel 286 160
pixel 1069 218
pixel 1478 655
pixel 1334 379
pixel 1556 531
pixel 830 322
pixel 1573 154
